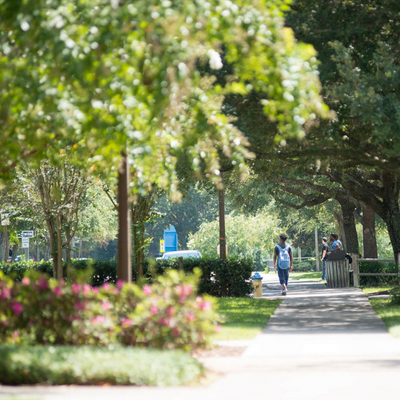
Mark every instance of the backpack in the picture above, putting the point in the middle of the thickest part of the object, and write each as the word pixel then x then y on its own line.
pixel 284 257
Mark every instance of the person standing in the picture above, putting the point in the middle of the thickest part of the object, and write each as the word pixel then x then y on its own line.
pixel 335 242
pixel 324 256
pixel 283 260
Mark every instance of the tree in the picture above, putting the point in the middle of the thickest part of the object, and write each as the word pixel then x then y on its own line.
pixel 117 82
pixel 248 236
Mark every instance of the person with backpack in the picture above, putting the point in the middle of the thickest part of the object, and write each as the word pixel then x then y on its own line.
pixel 283 254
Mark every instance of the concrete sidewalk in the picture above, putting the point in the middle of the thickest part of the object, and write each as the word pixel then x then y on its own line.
pixel 320 344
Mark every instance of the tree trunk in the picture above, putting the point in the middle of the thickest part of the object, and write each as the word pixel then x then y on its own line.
pixel 339 219
pixel 124 266
pixel 3 246
pixel 6 244
pixel 349 225
pixel 370 248
pixel 68 252
pixel 14 251
pixel 221 207
pixel 59 263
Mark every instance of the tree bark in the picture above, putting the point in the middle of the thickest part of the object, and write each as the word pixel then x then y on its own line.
pixel 6 244
pixel 124 265
pixel 351 244
pixel 370 248
pixel 59 263
pixel 221 208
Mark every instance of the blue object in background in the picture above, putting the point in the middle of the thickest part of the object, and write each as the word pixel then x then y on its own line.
pixel 171 239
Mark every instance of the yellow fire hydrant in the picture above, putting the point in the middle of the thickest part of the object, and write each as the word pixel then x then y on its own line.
pixel 257 285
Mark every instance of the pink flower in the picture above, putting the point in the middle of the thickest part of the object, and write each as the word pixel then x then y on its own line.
pixel 86 289
pixel 191 317
pixel 62 282
pixel 179 289
pixel 76 288
pixel 170 311
pixel 106 305
pixel 187 290
pixel 98 320
pixel 26 281
pixel 218 328
pixel 199 299
pixel 163 321
pixel 120 284
pixel 126 323
pixel 43 284
pixel 17 308
pixel 205 306
pixel 106 286
pixel 154 310
pixel 57 291
pixel 147 290
pixel 175 332
pixel 80 306
pixel 5 293
pixel 15 335
pixel 95 290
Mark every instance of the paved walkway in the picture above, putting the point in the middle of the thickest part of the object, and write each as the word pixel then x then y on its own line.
pixel 320 344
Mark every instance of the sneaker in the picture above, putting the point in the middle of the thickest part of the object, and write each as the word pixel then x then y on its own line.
pixel 283 292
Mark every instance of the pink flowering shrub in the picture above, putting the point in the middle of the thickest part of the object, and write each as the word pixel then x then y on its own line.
pixel 167 314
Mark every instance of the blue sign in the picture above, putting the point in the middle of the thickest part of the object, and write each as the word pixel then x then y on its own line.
pixel 171 239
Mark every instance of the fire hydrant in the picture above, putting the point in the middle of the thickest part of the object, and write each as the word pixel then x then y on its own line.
pixel 257 285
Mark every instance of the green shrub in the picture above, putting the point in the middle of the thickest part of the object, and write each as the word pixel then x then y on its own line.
pixel 167 314
pixel 303 266
pixel 376 267
pixel 62 365
pixel 219 277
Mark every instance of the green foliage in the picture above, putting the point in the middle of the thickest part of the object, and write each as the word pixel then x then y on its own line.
pixel 376 267
pixel 220 278
pixel 309 276
pixel 303 266
pixel 63 365
pixel 244 318
pixel 167 314
pixel 246 236
pixel 102 78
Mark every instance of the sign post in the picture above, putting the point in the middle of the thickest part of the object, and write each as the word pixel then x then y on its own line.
pixel 162 246
pixel 25 245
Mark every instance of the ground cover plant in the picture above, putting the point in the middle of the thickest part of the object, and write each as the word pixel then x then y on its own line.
pixel 244 318
pixel 390 314
pixel 63 365
pixel 168 314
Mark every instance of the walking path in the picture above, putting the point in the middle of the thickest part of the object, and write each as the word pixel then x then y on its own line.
pixel 320 344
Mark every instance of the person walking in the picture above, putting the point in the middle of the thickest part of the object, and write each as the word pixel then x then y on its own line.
pixel 283 260
pixel 324 256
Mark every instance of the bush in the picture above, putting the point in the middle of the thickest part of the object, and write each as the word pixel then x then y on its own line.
pixel 303 266
pixel 62 365
pixel 219 277
pixel 376 267
pixel 166 315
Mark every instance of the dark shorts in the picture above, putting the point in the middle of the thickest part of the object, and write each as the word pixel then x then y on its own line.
pixel 283 275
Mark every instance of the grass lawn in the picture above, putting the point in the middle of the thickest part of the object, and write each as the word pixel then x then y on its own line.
pixel 389 313
pixel 311 276
pixel 376 289
pixel 244 317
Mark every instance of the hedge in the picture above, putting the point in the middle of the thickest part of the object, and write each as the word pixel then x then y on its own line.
pixel 64 365
pixel 220 278
pixel 376 267
pixel 304 266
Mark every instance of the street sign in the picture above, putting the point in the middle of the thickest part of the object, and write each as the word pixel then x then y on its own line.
pixel 25 243
pixel 5 222
pixel 162 246
pixel 28 234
